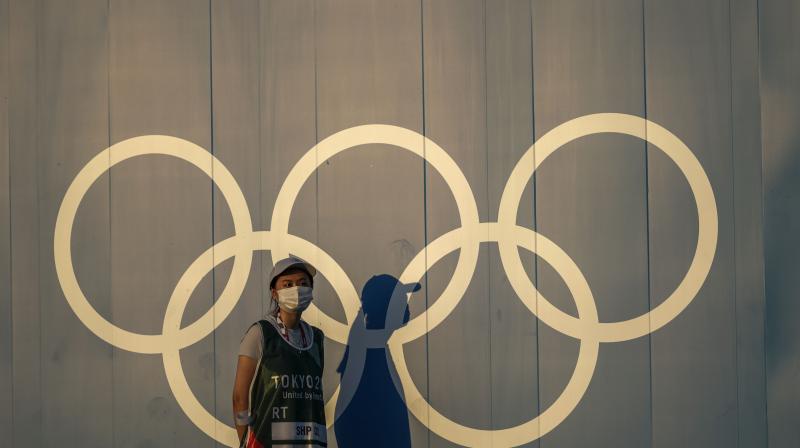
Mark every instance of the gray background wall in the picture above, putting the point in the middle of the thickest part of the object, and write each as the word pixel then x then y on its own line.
pixel 258 83
pixel 780 113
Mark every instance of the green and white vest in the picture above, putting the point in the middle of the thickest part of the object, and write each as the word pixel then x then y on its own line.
pixel 286 399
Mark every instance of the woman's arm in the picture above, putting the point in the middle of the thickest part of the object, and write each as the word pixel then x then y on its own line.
pixel 245 369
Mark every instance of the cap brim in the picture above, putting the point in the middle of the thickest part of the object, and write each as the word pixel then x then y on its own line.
pixel 413 287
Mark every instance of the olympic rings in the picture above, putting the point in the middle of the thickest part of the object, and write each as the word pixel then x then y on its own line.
pixel 467 238
pixel 62 247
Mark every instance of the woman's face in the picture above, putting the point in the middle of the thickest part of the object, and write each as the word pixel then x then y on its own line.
pixel 290 279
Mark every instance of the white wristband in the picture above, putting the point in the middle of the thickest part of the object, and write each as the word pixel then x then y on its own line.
pixel 243 418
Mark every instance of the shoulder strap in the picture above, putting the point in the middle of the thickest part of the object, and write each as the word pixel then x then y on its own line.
pixel 267 331
pixel 319 338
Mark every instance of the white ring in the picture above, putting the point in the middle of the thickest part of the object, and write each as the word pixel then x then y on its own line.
pixel 688 288
pixel 262 240
pixel 387 135
pixel 578 383
pixel 62 247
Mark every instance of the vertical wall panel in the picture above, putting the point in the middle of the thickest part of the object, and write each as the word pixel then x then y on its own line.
pixel 287 126
pixel 509 127
pixel 6 384
pixel 23 166
pixel 73 128
pixel 369 71
pixel 459 369
pixel 591 201
pixel 287 123
pixel 780 113
pixel 746 136
pixel 160 208
pixel 689 93
pixel 235 87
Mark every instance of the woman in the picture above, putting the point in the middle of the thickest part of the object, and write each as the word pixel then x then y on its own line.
pixel 277 393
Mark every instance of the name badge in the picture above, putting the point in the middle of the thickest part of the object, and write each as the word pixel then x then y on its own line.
pixel 299 431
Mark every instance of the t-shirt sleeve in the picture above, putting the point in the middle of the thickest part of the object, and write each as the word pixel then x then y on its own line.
pixel 250 345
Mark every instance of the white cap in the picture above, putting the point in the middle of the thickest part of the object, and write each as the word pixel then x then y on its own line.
pixel 290 262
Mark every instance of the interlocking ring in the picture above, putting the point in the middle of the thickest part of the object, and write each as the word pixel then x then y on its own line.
pixel 62 247
pixel 691 168
pixel 467 238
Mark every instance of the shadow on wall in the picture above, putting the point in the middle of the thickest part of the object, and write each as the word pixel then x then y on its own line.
pixel 779 53
pixel 783 258
pixel 375 415
pixel 782 289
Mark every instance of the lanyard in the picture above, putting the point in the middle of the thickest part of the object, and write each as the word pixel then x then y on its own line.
pixel 285 334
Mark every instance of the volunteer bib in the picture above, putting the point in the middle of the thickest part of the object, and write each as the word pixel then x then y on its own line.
pixel 286 399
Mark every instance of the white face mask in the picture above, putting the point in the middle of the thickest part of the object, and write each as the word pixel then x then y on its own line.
pixel 294 299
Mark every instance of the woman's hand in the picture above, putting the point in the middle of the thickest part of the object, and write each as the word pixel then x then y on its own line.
pixel 245 369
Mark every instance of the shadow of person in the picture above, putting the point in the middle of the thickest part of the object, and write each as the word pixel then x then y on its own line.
pixel 370 409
